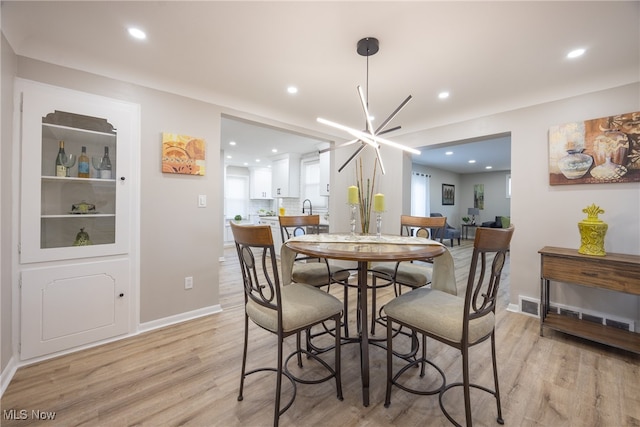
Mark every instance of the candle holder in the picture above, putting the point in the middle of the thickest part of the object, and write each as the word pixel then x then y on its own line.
pixel 379 225
pixel 354 208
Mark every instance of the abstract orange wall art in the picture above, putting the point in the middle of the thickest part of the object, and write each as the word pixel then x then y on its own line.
pixel 183 154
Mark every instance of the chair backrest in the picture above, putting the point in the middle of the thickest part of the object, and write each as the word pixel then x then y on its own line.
pixel 439 215
pixel 484 280
pixel 298 225
pixel 423 226
pixel 259 276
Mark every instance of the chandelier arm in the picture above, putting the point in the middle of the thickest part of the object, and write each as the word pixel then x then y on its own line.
pixel 363 101
pixel 344 144
pixel 388 130
pixel 362 136
pixel 353 156
pixel 377 139
pixel 392 115
pixel 379 157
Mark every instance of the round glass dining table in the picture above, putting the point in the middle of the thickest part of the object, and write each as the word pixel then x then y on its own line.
pixel 364 249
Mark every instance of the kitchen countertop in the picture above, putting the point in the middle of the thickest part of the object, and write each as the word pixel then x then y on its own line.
pixel 275 218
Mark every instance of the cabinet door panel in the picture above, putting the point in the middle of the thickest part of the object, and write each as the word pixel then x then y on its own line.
pixel 73 305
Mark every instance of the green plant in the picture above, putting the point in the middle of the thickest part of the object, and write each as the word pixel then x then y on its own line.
pixel 466 219
pixel 238 217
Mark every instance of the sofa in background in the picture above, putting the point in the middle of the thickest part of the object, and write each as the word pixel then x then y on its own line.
pixel 500 222
pixel 450 232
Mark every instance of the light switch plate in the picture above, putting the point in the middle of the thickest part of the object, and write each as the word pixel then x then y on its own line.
pixel 202 201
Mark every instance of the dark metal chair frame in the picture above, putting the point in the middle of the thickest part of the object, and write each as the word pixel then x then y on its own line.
pixel 480 300
pixel 262 286
pixel 427 227
pixel 296 225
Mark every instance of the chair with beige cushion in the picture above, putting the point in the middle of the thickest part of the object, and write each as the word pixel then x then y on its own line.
pixel 313 271
pixel 410 274
pixel 282 310
pixel 460 322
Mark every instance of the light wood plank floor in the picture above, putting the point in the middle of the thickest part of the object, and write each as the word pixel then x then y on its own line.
pixel 188 374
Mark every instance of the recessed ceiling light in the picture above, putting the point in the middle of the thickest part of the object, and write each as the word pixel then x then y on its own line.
pixel 274 150
pixel 472 161
pixel 246 164
pixel 137 33
pixel 488 167
pixel 576 53
pixel 448 153
pixel 232 143
pixel 257 160
pixel 292 89
pixel 443 95
pixel 229 157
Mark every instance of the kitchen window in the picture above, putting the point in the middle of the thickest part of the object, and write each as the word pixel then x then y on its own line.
pixel 311 184
pixel 236 196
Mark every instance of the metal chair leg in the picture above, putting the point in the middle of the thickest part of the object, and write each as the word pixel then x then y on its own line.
pixel 244 356
pixel 465 385
pixel 276 415
pixel 495 378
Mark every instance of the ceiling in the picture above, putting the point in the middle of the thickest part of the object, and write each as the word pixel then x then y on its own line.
pixel 490 56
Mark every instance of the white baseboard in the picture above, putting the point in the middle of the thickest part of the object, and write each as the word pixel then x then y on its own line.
pixel 7 374
pixel 179 318
pixel 513 308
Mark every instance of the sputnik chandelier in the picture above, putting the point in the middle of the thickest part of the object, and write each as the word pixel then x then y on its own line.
pixel 369 138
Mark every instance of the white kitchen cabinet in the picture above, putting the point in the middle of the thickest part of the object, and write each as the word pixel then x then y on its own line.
pixel 64 220
pixel 260 183
pixel 286 176
pixel 325 173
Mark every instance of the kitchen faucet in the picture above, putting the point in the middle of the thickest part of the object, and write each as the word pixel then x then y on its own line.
pixel 310 207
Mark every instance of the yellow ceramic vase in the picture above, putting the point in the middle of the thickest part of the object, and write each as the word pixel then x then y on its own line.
pixel 592 232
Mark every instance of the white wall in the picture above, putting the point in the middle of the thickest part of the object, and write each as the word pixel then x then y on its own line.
pixel 547 215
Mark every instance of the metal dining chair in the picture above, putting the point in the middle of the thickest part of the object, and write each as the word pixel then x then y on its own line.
pixel 281 310
pixel 313 271
pixel 460 322
pixel 410 274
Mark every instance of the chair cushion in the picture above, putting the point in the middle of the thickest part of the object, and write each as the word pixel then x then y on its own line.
pixel 302 306
pixel 408 274
pixel 438 313
pixel 315 273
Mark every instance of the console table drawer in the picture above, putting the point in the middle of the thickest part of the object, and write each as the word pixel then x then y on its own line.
pixel 612 276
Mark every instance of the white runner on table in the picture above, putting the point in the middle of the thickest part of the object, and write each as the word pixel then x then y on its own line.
pixel 443 274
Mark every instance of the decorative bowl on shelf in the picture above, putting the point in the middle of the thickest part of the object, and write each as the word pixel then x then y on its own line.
pixel 83 208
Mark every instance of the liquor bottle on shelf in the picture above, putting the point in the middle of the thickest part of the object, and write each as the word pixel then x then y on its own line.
pixel 61 169
pixel 105 168
pixel 83 164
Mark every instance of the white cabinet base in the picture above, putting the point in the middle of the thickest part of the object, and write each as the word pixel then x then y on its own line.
pixel 73 305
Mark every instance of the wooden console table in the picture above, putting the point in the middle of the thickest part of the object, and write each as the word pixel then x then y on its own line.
pixel 615 272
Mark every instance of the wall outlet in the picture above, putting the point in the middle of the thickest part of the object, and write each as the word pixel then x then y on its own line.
pixel 188 282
